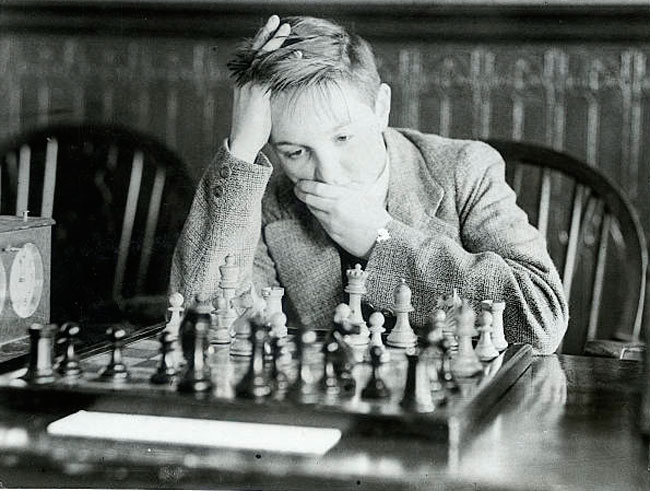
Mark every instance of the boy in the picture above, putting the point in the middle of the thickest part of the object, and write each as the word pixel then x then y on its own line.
pixel 346 188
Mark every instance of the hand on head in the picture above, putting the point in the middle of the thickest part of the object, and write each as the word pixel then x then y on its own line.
pixel 251 117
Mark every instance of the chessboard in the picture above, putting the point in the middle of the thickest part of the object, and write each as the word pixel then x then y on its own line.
pixel 451 423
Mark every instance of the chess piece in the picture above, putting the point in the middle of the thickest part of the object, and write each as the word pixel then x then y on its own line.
pixel 175 308
pixel 330 380
pixel 70 367
pixel 228 283
pixel 465 363
pixel 498 335
pixel 356 288
pixel 255 384
pixel 402 335
pixel 417 392
pixel 279 379
pixel 376 387
pixel 116 370
pixel 377 321
pixel 194 333
pixel 278 325
pixel 434 355
pixel 272 295
pixel 304 389
pixel 249 304
pixel 167 367
pixel 450 305
pixel 340 351
pixel 40 370
pixel 485 349
pixel 220 332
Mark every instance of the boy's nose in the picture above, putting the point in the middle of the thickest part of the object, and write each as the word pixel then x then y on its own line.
pixel 328 167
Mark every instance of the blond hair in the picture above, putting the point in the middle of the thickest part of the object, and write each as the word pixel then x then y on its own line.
pixel 317 52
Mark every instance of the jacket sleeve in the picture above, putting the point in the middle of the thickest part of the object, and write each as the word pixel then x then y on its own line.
pixel 225 218
pixel 501 257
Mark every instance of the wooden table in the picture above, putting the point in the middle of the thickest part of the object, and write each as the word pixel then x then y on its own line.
pixel 569 422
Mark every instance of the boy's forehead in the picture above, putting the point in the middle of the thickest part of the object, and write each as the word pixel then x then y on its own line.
pixel 313 111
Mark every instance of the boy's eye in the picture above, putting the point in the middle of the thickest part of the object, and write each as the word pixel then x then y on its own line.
pixel 296 154
pixel 343 138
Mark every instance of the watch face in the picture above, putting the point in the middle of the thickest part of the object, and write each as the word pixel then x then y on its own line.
pixel 26 280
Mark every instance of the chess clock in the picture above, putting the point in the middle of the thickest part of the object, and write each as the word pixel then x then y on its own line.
pixel 25 252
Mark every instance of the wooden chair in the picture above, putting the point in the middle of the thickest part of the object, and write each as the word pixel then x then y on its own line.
pixel 595 238
pixel 119 199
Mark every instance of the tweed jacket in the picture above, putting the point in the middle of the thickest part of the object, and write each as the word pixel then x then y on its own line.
pixel 454 224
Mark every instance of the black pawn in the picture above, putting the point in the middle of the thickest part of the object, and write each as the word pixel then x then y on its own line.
pixel 330 380
pixel 279 378
pixel 166 370
pixel 116 370
pixel 194 338
pixel 304 389
pixel 41 356
pixel 376 387
pixel 70 367
pixel 255 383
pixel 417 391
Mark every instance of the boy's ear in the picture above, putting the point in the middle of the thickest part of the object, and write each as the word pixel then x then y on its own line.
pixel 382 105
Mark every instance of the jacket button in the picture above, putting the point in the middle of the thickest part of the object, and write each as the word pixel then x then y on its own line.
pixel 218 190
pixel 225 171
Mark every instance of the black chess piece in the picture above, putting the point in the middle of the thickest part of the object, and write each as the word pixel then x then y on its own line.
pixel 166 370
pixel 376 387
pixel 417 392
pixel 279 379
pixel 304 389
pixel 70 367
pixel 255 384
pixel 343 359
pixel 40 370
pixel 194 332
pixel 116 370
pixel 330 380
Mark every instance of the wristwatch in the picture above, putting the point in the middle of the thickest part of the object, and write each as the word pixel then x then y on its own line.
pixel 382 235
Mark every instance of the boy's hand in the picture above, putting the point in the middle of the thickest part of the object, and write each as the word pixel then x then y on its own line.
pixel 351 216
pixel 251 116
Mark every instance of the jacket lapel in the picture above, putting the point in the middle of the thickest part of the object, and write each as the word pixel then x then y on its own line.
pixel 413 194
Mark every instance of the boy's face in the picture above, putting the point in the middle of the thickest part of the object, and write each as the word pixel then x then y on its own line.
pixel 332 136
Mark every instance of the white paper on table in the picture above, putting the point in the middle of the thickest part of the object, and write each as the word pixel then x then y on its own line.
pixel 201 432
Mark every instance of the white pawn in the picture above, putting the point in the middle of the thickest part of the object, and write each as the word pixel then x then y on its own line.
pixel 465 363
pixel 498 335
pixel 402 335
pixel 485 349
pixel 220 323
pixel 176 308
pixel 278 325
pixel 376 329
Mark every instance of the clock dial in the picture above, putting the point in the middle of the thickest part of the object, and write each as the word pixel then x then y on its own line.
pixel 26 280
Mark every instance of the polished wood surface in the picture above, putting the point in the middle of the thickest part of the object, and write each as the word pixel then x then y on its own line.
pixel 569 422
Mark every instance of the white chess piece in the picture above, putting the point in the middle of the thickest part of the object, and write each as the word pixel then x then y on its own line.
pixel 279 324
pixel 356 288
pixel 221 323
pixel 376 329
pixel 176 308
pixel 465 363
pixel 228 284
pixel 402 335
pixel 485 349
pixel 498 335
pixel 273 297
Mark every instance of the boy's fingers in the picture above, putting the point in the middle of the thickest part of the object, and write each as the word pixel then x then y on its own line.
pixel 265 32
pixel 278 38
